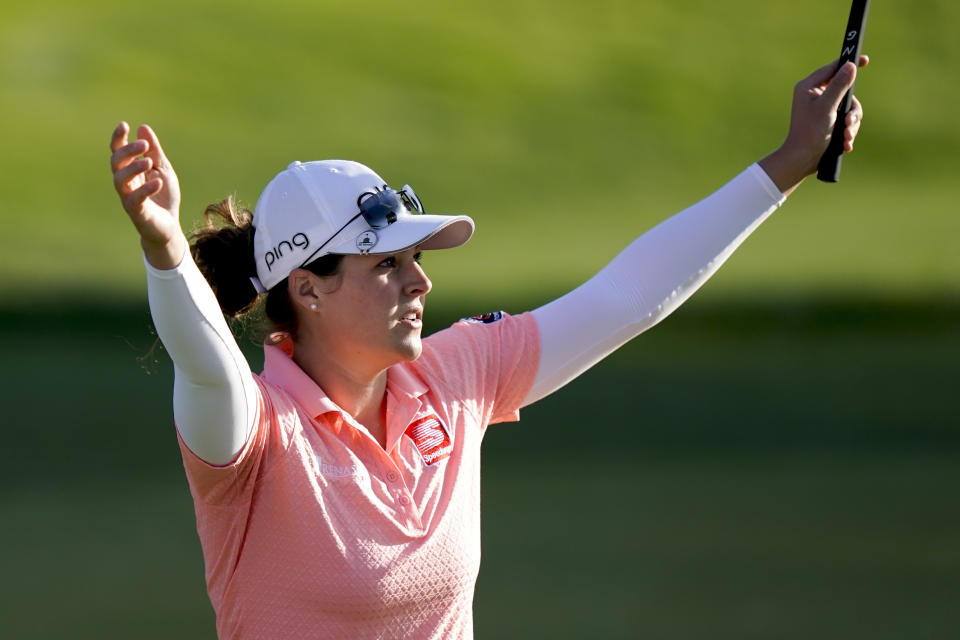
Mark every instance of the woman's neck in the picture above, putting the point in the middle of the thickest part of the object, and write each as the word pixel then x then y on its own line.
pixel 360 392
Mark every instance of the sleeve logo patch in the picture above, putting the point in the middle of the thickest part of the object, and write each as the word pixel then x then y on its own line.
pixel 431 439
pixel 485 318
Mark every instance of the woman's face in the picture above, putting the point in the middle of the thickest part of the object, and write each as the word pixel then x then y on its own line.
pixel 374 317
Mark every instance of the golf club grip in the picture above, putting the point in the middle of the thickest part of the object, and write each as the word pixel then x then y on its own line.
pixel 828 170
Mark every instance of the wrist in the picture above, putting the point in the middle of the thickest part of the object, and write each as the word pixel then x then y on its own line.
pixel 165 255
pixel 787 168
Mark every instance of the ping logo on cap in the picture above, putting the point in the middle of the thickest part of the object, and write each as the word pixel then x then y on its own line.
pixel 298 241
pixel 431 438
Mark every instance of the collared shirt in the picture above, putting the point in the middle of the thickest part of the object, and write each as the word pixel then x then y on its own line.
pixel 316 531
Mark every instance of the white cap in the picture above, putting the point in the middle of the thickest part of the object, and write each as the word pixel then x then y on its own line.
pixel 307 203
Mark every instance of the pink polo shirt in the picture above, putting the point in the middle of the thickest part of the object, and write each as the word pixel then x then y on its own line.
pixel 316 531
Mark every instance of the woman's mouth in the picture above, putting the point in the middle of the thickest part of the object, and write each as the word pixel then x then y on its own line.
pixel 412 318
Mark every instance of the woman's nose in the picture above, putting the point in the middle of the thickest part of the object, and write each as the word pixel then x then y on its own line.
pixel 418 283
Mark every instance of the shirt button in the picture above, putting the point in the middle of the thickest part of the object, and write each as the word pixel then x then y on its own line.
pixel 404 500
pixel 392 476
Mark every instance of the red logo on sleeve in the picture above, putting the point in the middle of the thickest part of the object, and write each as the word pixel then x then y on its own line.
pixel 431 438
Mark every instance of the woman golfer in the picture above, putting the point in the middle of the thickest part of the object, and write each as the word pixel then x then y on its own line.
pixel 337 493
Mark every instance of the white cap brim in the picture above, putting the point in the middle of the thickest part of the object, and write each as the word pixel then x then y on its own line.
pixel 428 231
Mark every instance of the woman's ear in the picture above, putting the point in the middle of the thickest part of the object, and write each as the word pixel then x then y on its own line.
pixel 308 290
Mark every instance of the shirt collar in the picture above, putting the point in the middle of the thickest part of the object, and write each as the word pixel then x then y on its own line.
pixel 404 389
pixel 403 386
pixel 280 369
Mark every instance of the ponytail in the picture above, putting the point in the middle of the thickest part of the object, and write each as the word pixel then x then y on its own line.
pixel 223 250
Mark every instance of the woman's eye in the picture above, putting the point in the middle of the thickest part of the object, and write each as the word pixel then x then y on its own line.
pixel 391 262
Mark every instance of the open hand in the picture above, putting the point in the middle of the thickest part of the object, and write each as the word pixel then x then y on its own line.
pixel 150 194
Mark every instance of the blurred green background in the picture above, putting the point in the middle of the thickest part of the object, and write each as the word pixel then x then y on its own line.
pixel 779 459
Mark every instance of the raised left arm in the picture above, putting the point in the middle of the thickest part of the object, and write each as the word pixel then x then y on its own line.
pixel 653 276
pixel 662 268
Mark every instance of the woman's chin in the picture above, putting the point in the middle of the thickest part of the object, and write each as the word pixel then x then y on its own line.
pixel 411 348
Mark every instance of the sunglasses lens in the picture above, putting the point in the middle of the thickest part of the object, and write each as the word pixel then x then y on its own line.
pixel 380 209
pixel 413 202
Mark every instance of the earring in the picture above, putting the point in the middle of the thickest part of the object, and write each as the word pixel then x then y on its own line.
pixel 313 306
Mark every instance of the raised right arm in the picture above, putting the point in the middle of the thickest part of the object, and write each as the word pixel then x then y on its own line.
pixel 215 397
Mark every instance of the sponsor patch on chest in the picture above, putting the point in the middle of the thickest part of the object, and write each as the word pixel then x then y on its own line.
pixel 484 318
pixel 338 471
pixel 431 438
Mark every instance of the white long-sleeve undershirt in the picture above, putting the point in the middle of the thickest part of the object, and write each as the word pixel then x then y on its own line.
pixel 648 280
pixel 215 396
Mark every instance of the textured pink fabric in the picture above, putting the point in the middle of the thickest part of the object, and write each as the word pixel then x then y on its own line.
pixel 316 531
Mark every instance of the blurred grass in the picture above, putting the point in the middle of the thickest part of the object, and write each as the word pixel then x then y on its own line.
pixel 741 546
pixel 778 460
pixel 739 472
pixel 565 129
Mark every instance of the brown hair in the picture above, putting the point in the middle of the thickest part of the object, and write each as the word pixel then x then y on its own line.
pixel 223 250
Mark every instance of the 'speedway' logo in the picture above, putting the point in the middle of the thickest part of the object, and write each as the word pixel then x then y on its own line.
pixel 431 438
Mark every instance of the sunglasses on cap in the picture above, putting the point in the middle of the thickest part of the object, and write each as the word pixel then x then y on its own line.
pixel 379 209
